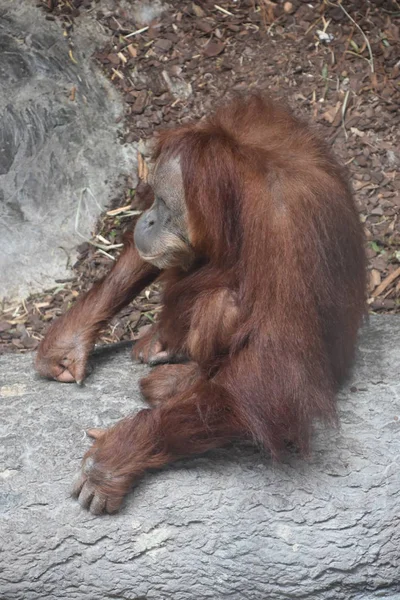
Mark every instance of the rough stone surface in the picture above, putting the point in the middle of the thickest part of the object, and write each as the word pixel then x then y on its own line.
pixel 227 525
pixel 59 157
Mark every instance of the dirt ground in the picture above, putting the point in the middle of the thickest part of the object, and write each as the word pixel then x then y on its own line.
pixel 337 63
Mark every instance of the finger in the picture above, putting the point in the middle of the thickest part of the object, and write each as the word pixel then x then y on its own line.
pixel 152 349
pixel 159 358
pixel 95 432
pixel 86 495
pixel 79 371
pixel 156 346
pixel 65 376
pixel 135 352
pixel 113 505
pixel 46 368
pixel 78 484
pixel 98 504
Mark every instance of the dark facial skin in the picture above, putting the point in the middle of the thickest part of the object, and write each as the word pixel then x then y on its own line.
pixel 161 234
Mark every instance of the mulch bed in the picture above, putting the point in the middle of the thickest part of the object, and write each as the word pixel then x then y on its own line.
pixel 338 64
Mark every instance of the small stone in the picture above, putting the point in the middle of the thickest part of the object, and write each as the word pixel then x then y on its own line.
pixel 29 342
pixel 374 279
pixel 214 49
pixel 288 7
pixel 113 59
pixel 204 26
pixel 198 11
pixel 377 177
pixel 5 326
pixel 163 45
pixel 337 14
pixel 17 343
pixel 130 97
pixel 379 262
pixel 162 100
pixel 130 138
pixel 140 103
pixel 361 160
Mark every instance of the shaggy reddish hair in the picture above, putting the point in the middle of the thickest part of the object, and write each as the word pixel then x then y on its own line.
pixel 267 315
pixel 273 213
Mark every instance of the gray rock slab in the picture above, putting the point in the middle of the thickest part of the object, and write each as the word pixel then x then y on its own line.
pixel 60 159
pixel 230 524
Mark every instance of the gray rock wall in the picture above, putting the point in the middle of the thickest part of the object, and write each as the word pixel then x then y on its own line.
pixel 60 158
pixel 226 525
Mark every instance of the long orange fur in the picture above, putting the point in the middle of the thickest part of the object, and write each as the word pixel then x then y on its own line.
pixel 269 312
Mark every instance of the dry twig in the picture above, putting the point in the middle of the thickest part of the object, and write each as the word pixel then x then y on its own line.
pixel 338 4
pixel 223 10
pixel 137 32
pixel 387 281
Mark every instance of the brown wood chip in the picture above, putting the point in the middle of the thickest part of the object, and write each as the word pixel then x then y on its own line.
pixel 214 49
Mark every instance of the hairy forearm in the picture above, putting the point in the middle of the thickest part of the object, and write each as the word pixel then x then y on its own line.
pixel 128 277
pixel 64 351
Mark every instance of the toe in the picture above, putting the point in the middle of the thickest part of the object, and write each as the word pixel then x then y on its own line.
pixel 96 433
pixel 86 495
pixel 98 504
pixel 159 358
pixel 78 485
pixel 113 505
pixel 65 377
